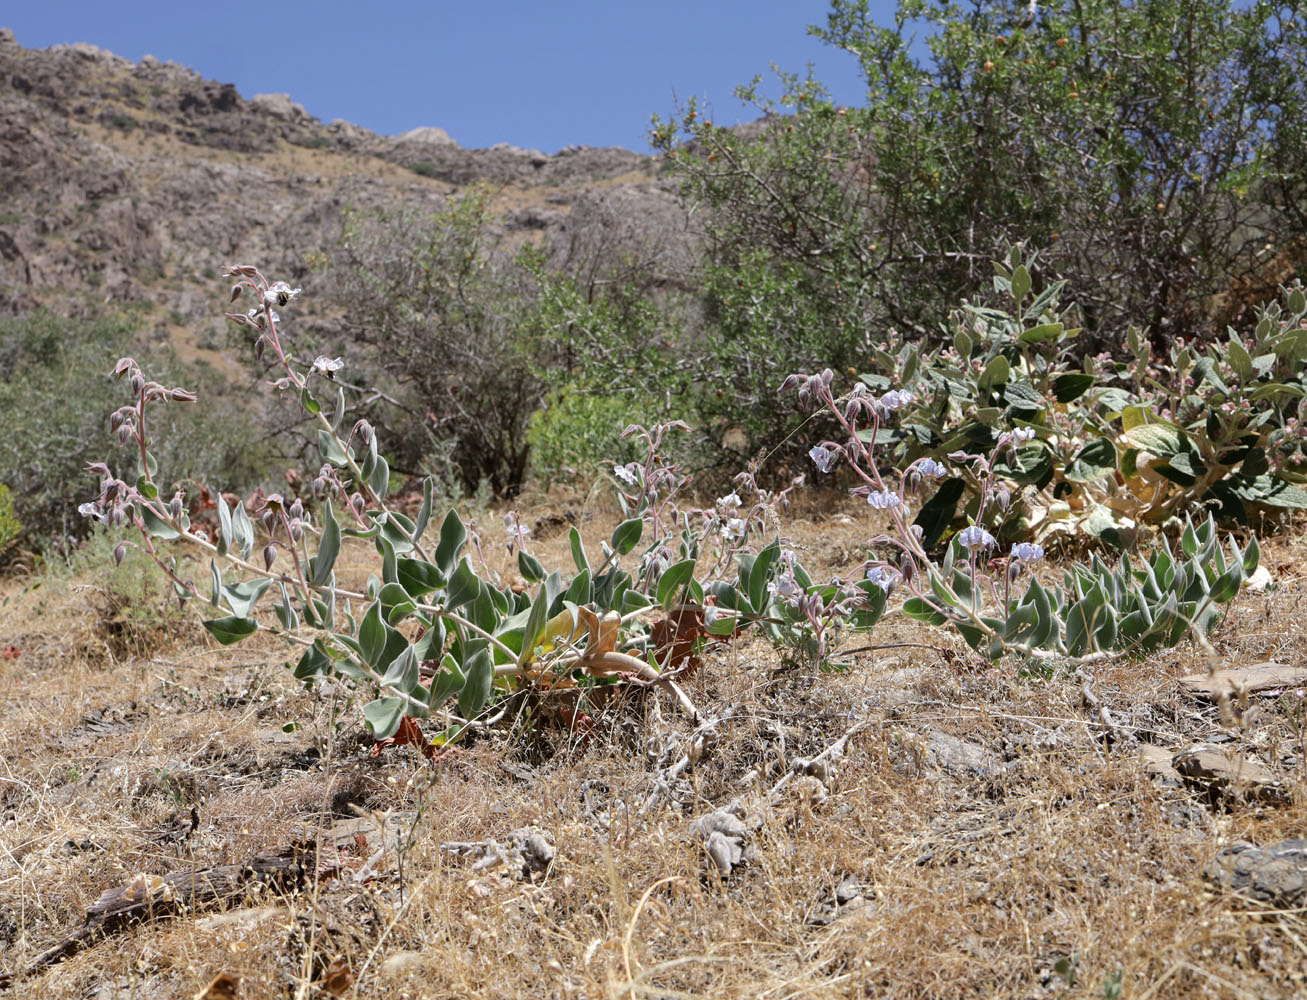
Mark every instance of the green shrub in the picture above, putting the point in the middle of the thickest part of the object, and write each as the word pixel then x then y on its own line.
pixel 575 435
pixel 477 334
pixel 55 394
pixel 10 527
pixel 1109 446
pixel 1150 147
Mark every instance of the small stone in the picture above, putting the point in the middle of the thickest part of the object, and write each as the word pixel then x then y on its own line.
pixel 1276 874
pixel 1228 773
pixel 1268 676
pixel 960 757
pixel 1157 762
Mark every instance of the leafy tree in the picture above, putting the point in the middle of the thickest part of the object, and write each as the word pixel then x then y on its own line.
pixel 1154 148
pixel 448 314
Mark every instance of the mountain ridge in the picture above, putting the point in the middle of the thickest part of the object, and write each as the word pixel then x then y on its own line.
pixel 132 183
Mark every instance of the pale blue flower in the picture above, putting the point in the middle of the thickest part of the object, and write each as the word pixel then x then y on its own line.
pixel 1027 552
pixel 896 399
pixel 931 469
pixel 884 499
pixel 786 588
pixel 823 458
pixel 884 578
pixel 975 537
pixel 279 293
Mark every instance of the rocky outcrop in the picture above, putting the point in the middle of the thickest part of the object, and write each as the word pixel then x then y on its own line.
pixel 121 184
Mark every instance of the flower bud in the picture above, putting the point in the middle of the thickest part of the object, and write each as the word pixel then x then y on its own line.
pixel 319 488
pixel 119 553
pixel 269 520
pixel 124 434
pixel 908 570
pixel 138 382
pixel 269 555
pixel 296 532
pixel 297 509
pixel 175 504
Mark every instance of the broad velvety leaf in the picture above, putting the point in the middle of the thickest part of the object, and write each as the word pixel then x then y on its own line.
pixel 328 548
pixel 480 671
pixel 530 568
pixel 463 585
pixel 673 581
pixel 626 535
pixel 383 717
pixel 1071 386
pixel 1095 460
pixel 231 629
pixel 453 536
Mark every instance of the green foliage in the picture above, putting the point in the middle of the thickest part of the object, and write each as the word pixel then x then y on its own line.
pixel 1221 425
pixel 1146 146
pixel 431 635
pixel 449 317
pixel 780 316
pixel 1114 444
pixel 574 434
pixel 478 336
pixel 10 527
pixel 1099 608
pixel 54 397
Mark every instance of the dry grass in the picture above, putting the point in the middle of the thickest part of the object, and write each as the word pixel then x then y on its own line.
pixel 953 880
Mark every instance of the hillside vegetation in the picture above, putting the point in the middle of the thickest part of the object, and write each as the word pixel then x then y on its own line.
pixel 850 554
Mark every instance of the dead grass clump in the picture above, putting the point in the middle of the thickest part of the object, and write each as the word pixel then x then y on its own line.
pixel 983 831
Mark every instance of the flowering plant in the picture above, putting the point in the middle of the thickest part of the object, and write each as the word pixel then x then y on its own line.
pixel 1223 425
pixel 1098 609
pixel 434 632
pixel 1108 447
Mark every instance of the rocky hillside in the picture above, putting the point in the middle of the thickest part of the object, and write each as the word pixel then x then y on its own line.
pixel 131 183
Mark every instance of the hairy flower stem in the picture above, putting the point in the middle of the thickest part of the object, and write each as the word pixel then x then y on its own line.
pixel 301 383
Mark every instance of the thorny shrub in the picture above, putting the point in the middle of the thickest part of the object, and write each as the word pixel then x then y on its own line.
pixel 433 634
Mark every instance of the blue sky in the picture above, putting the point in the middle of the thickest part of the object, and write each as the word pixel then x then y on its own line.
pixel 537 75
